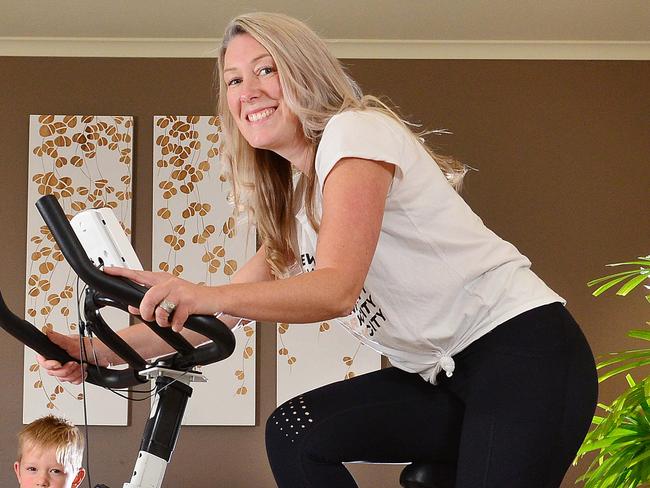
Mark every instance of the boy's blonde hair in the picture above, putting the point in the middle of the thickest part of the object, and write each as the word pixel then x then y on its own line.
pixel 57 433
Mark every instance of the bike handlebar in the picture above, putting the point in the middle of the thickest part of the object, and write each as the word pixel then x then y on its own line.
pixel 122 292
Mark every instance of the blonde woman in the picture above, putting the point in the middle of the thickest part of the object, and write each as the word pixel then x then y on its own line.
pixel 491 376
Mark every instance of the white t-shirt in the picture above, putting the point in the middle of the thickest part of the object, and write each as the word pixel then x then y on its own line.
pixel 439 278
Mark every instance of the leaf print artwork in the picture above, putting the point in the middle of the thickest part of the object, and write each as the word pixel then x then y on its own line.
pixel 197 236
pixel 85 162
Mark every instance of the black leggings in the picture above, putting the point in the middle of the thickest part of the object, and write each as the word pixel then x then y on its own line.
pixel 512 415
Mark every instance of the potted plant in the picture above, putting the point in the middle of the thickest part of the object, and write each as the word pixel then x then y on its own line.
pixel 621 437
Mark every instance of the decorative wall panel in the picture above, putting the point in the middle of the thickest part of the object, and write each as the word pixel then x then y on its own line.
pixel 86 162
pixel 313 355
pixel 196 236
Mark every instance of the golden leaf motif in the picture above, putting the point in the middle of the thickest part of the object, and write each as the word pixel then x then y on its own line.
pixel 78 206
pixel 67 292
pixel 50 405
pixel 347 360
pixel 239 374
pixel 229 227
pixel 38 384
pixel 79 138
pixel 248 352
pixel 242 390
pixel 324 327
pixel 174 242
pixel 283 351
pixel 178 269
pixel 163 266
pixel 164 213
pixel 349 375
pixel 34 367
pixel 214 266
pixel 187 188
pixel 63 141
pixel 230 267
pixel 292 360
pixel 282 328
pixel 248 330
pixel 31 312
pixel 46 130
pixel 70 121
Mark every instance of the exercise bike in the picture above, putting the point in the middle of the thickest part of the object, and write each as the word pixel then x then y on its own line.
pixel 173 374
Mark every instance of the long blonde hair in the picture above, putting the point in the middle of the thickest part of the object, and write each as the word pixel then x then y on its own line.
pixel 315 87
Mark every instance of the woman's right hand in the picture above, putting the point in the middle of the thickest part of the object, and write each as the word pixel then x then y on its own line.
pixel 70 371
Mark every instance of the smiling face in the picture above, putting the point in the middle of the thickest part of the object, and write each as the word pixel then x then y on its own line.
pixel 39 468
pixel 255 99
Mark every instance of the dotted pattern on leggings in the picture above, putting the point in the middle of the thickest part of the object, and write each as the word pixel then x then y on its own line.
pixel 292 418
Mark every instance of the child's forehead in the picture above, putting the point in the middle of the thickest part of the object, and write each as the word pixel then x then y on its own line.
pixel 39 453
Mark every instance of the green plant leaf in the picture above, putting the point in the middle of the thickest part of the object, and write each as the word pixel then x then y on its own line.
pixel 621 369
pixel 639 334
pixel 611 276
pixel 632 284
pixel 602 289
pixel 624 356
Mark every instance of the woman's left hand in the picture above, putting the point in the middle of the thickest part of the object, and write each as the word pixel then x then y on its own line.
pixel 170 300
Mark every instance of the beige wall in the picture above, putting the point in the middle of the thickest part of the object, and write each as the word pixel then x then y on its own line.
pixel 562 148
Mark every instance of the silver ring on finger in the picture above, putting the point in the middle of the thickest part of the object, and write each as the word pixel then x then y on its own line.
pixel 167 306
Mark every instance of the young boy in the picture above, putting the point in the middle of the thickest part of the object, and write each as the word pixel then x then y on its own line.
pixel 50 454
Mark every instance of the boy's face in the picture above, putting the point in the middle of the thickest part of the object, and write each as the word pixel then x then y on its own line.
pixel 39 468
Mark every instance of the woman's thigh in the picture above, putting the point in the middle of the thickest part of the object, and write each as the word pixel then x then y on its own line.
pixel 384 416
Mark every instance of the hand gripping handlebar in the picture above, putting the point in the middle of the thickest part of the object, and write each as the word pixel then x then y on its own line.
pixel 117 292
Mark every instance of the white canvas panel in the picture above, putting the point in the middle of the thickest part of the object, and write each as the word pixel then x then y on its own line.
pixel 196 236
pixel 313 355
pixel 86 162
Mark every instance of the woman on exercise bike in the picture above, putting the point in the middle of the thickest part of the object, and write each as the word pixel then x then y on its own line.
pixel 358 219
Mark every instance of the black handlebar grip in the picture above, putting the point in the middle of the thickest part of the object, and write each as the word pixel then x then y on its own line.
pixel 33 338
